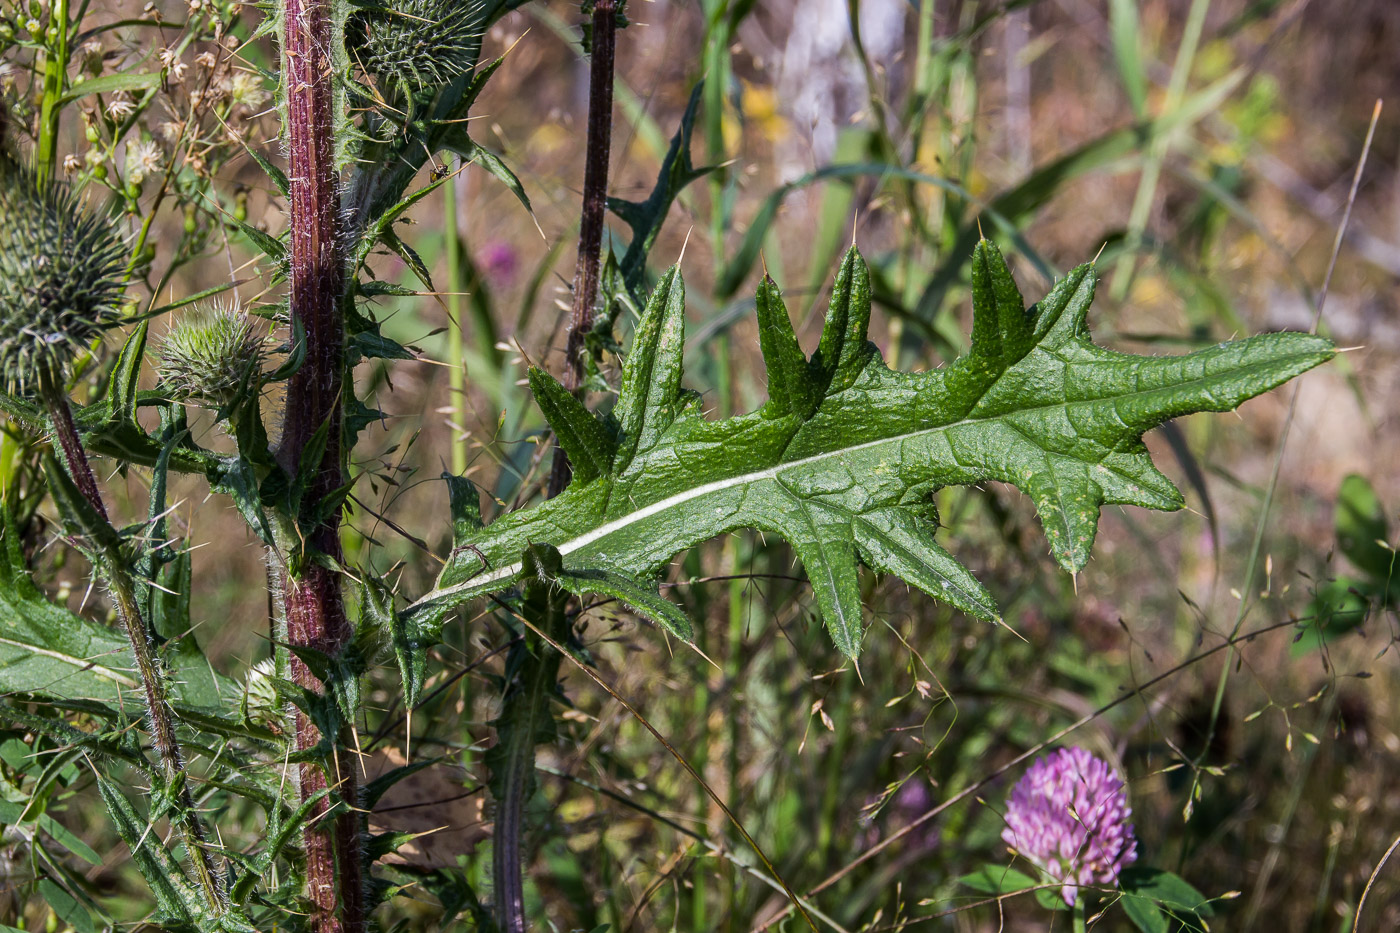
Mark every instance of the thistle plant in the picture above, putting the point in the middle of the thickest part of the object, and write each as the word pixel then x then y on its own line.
pixel 61 279
pixel 62 273
pixel 416 45
pixel 843 460
pixel 210 356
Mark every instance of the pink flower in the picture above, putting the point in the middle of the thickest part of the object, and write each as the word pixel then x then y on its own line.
pixel 498 262
pixel 1069 815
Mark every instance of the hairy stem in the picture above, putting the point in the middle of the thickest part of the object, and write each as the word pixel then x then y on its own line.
pixel 595 202
pixel 513 764
pixel 315 608
pixel 525 718
pixel 153 684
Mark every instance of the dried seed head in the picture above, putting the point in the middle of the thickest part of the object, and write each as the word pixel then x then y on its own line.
pixel 60 277
pixel 420 44
pixel 208 354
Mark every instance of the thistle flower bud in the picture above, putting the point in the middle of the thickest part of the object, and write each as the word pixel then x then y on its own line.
pixel 260 699
pixel 1068 815
pixel 207 356
pixel 420 44
pixel 60 278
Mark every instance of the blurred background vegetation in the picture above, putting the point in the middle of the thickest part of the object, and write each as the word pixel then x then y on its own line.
pixel 1206 148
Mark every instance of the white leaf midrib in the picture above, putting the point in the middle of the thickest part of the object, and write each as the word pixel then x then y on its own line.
pixel 484 582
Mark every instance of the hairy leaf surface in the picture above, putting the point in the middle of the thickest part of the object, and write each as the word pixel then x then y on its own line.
pixel 843 458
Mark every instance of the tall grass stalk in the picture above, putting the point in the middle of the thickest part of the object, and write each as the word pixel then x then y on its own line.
pixel 456 371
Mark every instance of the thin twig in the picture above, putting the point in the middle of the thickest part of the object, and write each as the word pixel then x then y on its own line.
pixel 1252 566
pixel 1356 921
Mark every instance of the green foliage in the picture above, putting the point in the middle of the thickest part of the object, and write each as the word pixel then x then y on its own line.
pixel 1342 605
pixel 1161 902
pixel 843 458
pixel 60 277
pixel 842 462
pixel 646 217
pixel 45 649
pixel 1005 881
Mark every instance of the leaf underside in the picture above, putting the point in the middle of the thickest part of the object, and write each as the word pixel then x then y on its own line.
pixel 843 458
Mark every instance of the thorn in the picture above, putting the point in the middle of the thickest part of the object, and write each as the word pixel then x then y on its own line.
pixel 696 649
pixel 1099 253
pixel 1074 579
pixel 1002 623
pixel 980 234
pixel 763 261
pixel 855 222
pixel 681 258
pixel 408 735
pixel 528 362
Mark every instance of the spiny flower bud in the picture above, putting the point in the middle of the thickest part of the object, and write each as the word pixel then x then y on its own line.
pixel 207 356
pixel 420 44
pixel 260 699
pixel 60 277
pixel 1068 815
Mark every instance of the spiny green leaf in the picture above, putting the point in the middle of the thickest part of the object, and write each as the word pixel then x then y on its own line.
pixel 639 596
pixel 121 393
pixel 790 387
pixel 651 377
pixel 475 153
pixel 895 540
pixel 465 504
pixel 175 897
pixel 646 217
pixel 582 436
pixel 843 352
pixel 842 463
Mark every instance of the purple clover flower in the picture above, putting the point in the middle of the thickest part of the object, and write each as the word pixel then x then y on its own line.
pixel 1069 816
pixel 499 262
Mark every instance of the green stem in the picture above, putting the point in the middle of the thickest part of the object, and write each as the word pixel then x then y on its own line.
pixel 1152 164
pixel 456 371
pixel 112 564
pixel 55 74
pixel 1080 924
pixel 526 718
